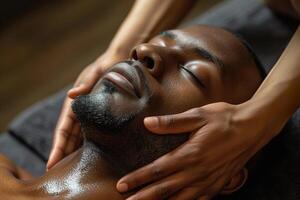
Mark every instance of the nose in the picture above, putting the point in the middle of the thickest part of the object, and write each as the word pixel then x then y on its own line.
pixel 150 57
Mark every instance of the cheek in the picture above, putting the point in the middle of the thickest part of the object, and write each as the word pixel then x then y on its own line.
pixel 122 104
pixel 176 94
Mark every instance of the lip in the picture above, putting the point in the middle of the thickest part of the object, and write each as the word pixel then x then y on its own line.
pixel 126 78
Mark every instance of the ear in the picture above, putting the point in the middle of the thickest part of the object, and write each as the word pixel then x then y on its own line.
pixel 236 182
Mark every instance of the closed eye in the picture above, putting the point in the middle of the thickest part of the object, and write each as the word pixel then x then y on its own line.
pixel 195 78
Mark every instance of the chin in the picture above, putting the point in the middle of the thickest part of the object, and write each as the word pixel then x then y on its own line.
pixel 105 109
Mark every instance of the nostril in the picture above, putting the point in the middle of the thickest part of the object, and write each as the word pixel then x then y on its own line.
pixel 149 62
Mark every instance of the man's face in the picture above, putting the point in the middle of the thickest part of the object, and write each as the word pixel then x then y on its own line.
pixel 175 71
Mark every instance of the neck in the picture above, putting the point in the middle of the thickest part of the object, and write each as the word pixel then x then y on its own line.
pixel 83 172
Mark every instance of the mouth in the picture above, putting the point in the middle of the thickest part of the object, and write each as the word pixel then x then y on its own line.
pixel 126 77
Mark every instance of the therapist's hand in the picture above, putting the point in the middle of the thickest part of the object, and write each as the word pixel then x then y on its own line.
pixel 224 137
pixel 67 135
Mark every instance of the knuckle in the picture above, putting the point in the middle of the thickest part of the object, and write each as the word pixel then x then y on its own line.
pixel 167 122
pixel 95 70
pixel 64 134
pixel 133 182
pixel 194 155
pixel 198 116
pixel 162 192
pixel 203 174
pixel 193 159
pixel 156 170
pixel 197 112
pixel 98 71
pixel 60 150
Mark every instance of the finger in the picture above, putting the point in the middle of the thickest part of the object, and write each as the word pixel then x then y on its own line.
pixel 65 124
pixel 215 188
pixel 55 156
pixel 200 189
pixel 79 90
pixel 85 84
pixel 73 139
pixel 79 141
pixel 151 172
pixel 189 193
pixel 173 183
pixel 178 123
pixel 166 187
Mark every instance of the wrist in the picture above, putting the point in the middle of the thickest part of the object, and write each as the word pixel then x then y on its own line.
pixel 118 51
pixel 259 116
pixel 122 45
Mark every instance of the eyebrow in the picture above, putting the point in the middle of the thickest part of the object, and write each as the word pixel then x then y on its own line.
pixel 199 50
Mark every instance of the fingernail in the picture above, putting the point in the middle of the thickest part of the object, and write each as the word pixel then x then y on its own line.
pixel 49 158
pixel 47 167
pixel 151 122
pixel 122 187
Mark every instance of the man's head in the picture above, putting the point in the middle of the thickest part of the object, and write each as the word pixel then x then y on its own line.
pixel 175 71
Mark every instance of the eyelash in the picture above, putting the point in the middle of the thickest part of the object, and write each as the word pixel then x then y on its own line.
pixel 192 74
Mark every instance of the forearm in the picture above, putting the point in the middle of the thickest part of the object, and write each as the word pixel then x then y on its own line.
pixel 147 18
pixel 279 95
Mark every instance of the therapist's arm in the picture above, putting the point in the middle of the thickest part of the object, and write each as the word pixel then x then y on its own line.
pixel 279 95
pixel 146 18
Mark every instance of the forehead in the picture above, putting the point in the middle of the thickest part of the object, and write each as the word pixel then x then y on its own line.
pixel 223 44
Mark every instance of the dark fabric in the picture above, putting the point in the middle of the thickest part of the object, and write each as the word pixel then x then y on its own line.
pixel 35 126
pixel 21 155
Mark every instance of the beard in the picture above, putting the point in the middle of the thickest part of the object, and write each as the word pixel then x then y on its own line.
pixel 122 134
pixel 94 110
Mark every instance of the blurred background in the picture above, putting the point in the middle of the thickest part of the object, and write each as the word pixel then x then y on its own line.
pixel 44 45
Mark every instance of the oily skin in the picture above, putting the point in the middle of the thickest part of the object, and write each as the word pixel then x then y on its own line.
pixel 177 72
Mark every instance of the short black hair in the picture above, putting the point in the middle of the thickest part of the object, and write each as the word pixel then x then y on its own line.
pixel 254 56
pixel 261 68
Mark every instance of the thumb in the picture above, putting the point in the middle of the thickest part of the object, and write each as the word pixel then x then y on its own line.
pixel 85 84
pixel 177 123
pixel 55 156
pixel 79 90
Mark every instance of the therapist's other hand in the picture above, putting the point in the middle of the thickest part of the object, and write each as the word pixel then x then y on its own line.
pixel 223 138
pixel 67 135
